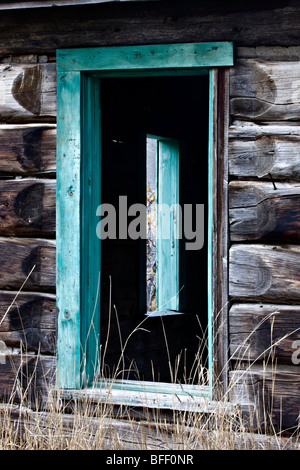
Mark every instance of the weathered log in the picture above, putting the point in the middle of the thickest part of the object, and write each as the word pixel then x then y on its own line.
pixel 27 92
pixel 265 211
pixel 28 321
pixel 21 256
pixel 262 331
pixel 247 24
pixel 265 273
pixel 27 149
pixel 26 378
pixel 274 389
pixel 27 207
pixel 258 151
pixel 262 90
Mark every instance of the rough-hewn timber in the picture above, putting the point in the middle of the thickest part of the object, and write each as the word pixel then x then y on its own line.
pixel 250 23
pixel 27 92
pixel 262 331
pixel 279 385
pixel 261 90
pixel 27 149
pixel 22 256
pixel 27 207
pixel 28 321
pixel 27 377
pixel 268 211
pixel 265 273
pixel 259 151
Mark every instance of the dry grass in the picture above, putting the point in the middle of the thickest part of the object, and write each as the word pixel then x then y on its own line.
pixel 91 421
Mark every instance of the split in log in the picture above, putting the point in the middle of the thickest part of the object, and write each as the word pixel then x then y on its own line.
pixel 20 257
pixel 28 321
pixel 260 151
pixel 265 273
pixel 262 90
pixel 27 149
pixel 265 331
pixel 264 211
pixel 27 92
pixel 27 207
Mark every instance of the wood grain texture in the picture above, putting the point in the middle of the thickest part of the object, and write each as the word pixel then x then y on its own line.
pixel 257 150
pixel 27 378
pixel 261 90
pixel 261 331
pixel 275 390
pixel 247 24
pixel 27 149
pixel 115 60
pixel 27 92
pixel 28 321
pixel 258 211
pixel 265 273
pixel 68 219
pixel 27 207
pixel 20 256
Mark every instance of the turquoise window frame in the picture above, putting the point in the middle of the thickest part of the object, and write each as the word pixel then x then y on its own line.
pixel 79 73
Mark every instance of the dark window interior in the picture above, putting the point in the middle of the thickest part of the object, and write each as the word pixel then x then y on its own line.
pixel 162 348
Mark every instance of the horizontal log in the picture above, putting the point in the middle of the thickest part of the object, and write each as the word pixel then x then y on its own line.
pixel 265 273
pixel 21 256
pixel 27 207
pixel 28 321
pixel 26 378
pixel 258 151
pixel 27 92
pixel 264 211
pixel 27 149
pixel 274 389
pixel 150 22
pixel 261 90
pixel 262 331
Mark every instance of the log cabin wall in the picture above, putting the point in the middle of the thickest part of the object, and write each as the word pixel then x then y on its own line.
pixel 264 178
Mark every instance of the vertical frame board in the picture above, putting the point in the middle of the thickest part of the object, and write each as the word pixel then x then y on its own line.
pixel 78 179
pixel 167 241
pixel 90 243
pixel 212 216
pixel 68 230
pixel 78 248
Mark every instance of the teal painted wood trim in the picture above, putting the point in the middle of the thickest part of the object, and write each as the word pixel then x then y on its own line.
pixel 167 228
pixel 157 387
pixel 211 149
pixel 90 243
pixel 148 57
pixel 68 229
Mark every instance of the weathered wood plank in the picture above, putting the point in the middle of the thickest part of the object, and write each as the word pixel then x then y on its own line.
pixel 27 149
pixel 275 390
pixel 257 151
pixel 115 60
pixel 258 210
pixel 265 273
pixel 27 92
pixel 26 378
pixel 28 321
pixel 129 434
pixel 260 331
pixel 19 256
pixel 247 24
pixel 27 207
pixel 262 90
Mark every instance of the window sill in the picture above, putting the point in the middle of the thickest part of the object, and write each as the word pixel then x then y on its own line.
pixel 149 395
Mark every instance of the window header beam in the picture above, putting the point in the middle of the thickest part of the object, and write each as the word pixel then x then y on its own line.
pixel 146 58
